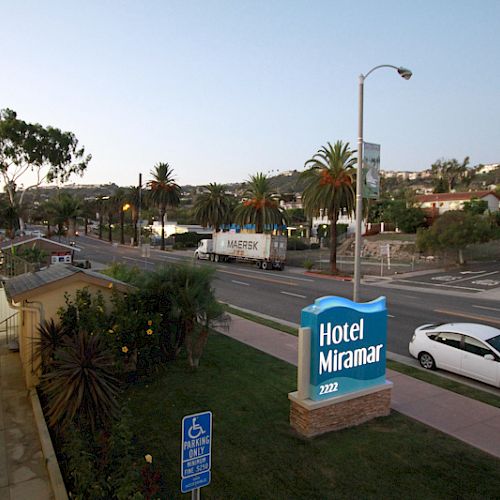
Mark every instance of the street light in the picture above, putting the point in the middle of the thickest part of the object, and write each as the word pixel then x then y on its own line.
pixel 406 74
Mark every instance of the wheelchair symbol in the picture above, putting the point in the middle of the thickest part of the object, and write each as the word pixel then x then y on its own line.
pixel 196 430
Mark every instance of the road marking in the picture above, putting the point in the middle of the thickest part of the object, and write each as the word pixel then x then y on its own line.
pixel 287 276
pixel 487 308
pixel 391 316
pixel 441 284
pixel 408 296
pixel 262 278
pixel 472 272
pixel 294 295
pixel 475 277
pixel 469 316
pixel 240 283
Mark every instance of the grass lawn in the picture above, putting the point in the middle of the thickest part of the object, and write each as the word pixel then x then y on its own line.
pixel 256 455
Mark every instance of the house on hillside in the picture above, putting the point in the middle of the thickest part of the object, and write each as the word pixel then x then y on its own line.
pixel 439 203
pixel 37 296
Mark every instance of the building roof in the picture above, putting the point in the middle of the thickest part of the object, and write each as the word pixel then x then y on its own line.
pixel 422 198
pixel 28 239
pixel 29 284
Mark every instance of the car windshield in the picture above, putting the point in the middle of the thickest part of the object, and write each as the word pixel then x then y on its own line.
pixel 495 342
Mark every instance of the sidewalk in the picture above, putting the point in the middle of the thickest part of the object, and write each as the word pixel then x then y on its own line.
pixel 471 421
pixel 23 474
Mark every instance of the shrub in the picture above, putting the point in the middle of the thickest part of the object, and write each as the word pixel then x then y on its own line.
pixel 315 246
pixel 81 383
pixel 296 244
pixel 190 239
pixel 308 264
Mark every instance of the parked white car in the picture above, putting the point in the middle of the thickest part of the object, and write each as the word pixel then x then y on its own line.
pixel 468 349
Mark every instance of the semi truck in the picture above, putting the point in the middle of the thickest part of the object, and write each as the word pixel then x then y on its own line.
pixel 265 250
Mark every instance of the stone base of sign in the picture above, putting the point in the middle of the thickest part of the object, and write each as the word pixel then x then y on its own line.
pixel 312 418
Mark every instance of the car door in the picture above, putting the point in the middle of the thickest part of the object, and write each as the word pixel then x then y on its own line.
pixel 475 365
pixel 446 350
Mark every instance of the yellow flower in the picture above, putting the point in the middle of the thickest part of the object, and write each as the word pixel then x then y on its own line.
pixel 150 322
pixel 149 331
pixel 115 327
pixel 111 330
pixel 110 285
pixel 125 349
pixel 148 458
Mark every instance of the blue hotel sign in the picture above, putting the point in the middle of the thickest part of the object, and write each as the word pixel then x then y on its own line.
pixel 348 345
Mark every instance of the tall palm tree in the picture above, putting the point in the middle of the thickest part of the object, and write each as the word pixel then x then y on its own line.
pixel 119 200
pixel 329 186
pixel 213 207
pixel 87 212
pixel 260 207
pixel 64 208
pixel 134 199
pixel 165 193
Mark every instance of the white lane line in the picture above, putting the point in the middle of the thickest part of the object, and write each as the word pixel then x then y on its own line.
pixel 294 295
pixel 475 277
pixel 408 296
pixel 441 284
pixel 391 316
pixel 161 256
pixel 487 308
pixel 240 283
pixel 283 276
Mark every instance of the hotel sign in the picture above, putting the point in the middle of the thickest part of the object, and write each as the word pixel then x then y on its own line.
pixel 348 345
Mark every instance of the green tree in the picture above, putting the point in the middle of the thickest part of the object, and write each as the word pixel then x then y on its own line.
pixel 454 230
pixel 329 187
pixel 447 174
pixel 260 206
pixel 476 206
pixel 64 210
pixel 135 200
pixel 30 147
pixel 213 207
pixel 165 193
pixel 119 202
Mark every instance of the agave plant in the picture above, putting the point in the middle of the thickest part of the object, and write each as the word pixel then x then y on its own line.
pixel 50 338
pixel 81 382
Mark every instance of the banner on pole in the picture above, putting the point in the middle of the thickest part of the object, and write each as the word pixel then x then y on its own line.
pixel 371 170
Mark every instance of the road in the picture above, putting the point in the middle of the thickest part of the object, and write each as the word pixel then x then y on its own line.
pixel 411 301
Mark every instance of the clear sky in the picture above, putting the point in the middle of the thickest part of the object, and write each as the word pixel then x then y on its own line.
pixel 224 89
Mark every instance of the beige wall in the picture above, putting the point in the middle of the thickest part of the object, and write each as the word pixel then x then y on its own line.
pixel 33 314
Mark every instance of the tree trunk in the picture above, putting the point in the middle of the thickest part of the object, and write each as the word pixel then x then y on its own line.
pixel 162 217
pixel 110 229
pixel 122 224
pixel 333 245
pixel 86 222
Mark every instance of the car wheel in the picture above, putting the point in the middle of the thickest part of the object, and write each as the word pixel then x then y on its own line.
pixel 426 361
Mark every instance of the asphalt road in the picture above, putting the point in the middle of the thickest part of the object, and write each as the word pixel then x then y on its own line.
pixel 412 300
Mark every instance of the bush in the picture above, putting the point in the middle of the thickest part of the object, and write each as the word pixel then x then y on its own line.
pixel 308 264
pixel 190 240
pixel 296 244
pixel 315 246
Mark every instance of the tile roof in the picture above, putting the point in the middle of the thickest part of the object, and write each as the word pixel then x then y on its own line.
pixel 24 283
pixel 27 239
pixel 453 196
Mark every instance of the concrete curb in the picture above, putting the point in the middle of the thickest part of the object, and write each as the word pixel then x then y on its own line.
pixel 55 476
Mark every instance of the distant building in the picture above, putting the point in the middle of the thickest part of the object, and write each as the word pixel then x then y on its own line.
pixel 486 169
pixel 439 203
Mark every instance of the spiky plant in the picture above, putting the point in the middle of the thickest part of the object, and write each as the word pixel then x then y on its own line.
pixel 81 383
pixel 50 338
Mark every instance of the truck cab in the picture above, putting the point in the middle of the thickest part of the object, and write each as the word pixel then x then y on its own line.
pixel 205 248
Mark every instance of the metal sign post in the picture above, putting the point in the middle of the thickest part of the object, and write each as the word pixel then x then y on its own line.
pixel 196 452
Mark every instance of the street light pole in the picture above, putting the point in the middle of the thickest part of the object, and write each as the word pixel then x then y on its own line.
pixel 406 74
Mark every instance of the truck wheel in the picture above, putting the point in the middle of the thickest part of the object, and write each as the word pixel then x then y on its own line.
pixel 216 258
pixel 282 267
pixel 258 264
pixel 212 257
pixel 265 265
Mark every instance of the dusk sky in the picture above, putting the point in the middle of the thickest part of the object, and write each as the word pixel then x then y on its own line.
pixel 224 89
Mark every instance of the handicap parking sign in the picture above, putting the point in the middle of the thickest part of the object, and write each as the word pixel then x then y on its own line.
pixel 196 451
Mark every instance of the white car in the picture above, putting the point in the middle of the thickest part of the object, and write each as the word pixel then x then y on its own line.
pixel 468 349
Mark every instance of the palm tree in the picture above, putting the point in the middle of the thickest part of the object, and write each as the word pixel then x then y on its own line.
pixel 165 193
pixel 261 207
pixel 119 200
pixel 64 209
pixel 213 207
pixel 329 186
pixel 87 212
pixel 134 199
